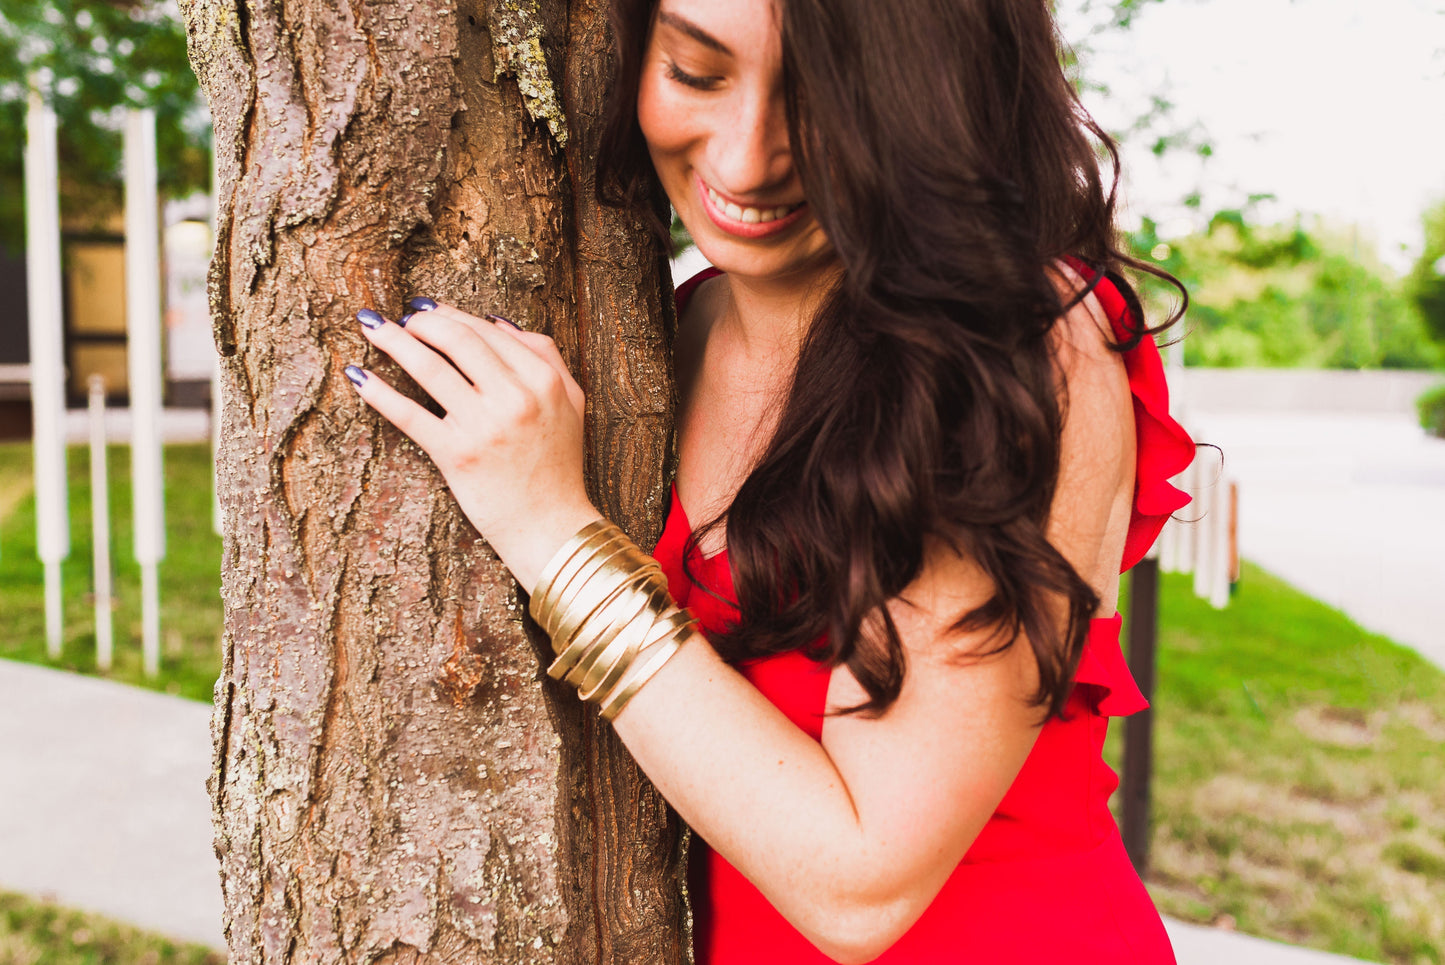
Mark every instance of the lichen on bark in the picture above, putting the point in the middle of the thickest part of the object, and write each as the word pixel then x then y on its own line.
pixel 517 33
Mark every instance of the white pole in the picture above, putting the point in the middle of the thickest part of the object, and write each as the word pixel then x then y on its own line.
pixel 1167 546
pixel 1206 537
pixel 1186 548
pixel 143 352
pixel 47 354
pixel 1223 520
pixel 100 525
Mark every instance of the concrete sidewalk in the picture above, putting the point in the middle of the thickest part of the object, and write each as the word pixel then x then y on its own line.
pixel 103 801
pixel 1347 508
pixel 103 806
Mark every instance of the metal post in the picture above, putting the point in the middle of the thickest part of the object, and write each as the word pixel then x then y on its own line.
pixel 143 353
pixel 100 526
pixel 47 355
pixel 1143 627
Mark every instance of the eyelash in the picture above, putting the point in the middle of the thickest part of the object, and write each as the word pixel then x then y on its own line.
pixel 676 73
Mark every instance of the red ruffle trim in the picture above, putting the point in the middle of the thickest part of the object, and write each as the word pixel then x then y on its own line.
pixel 1103 667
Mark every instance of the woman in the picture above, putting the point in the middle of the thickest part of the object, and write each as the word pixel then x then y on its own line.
pixel 912 405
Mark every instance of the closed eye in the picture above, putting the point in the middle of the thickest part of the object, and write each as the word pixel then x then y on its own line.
pixel 676 73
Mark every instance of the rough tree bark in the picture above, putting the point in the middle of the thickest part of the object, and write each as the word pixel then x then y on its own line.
pixel 395 780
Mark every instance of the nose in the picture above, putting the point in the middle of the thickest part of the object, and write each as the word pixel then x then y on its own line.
pixel 751 155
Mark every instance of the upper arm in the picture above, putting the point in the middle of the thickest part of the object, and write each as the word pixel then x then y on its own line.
pixel 926 775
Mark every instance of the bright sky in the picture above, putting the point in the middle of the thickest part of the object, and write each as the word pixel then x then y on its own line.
pixel 1335 106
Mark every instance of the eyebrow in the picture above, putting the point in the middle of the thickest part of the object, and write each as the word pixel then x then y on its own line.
pixel 694 31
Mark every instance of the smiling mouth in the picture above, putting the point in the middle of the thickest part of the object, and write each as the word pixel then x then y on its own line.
pixel 744 221
pixel 749 215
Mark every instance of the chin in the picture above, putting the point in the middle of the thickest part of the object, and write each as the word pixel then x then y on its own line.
pixel 807 255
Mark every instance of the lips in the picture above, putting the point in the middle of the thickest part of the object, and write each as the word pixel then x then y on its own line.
pixel 744 221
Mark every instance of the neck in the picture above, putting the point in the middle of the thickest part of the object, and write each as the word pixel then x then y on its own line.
pixel 768 318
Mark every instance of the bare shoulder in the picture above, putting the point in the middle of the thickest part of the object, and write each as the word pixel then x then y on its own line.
pixel 1090 516
pixel 1083 332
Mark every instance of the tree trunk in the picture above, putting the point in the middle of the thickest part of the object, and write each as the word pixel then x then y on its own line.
pixel 395 779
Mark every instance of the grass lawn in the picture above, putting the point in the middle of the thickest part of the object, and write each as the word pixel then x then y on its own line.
pixel 190 574
pixel 1299 783
pixel 40 933
pixel 1299 776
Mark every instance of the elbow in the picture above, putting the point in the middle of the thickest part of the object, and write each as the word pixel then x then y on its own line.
pixel 855 934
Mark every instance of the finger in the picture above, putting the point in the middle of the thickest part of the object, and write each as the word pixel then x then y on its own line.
pixel 425 429
pixel 453 335
pixel 532 358
pixel 544 349
pixel 489 329
pixel 431 371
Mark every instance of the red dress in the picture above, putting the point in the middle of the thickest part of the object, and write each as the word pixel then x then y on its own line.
pixel 1047 880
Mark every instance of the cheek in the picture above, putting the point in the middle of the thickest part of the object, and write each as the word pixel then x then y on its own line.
pixel 661 118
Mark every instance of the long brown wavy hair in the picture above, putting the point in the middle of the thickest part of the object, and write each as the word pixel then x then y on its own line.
pixel 948 159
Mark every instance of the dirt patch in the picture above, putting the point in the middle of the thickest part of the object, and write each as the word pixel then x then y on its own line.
pixel 12 493
pixel 1342 727
pixel 1423 718
pixel 1229 794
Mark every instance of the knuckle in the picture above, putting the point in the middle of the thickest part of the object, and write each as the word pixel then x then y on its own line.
pixel 551 384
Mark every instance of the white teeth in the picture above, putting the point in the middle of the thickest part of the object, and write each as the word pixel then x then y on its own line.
pixel 748 215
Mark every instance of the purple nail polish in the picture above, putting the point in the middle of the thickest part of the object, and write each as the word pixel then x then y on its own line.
pixel 421 304
pixel 505 321
pixel 356 374
pixel 370 318
pixel 405 318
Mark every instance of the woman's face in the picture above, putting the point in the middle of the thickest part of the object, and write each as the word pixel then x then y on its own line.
pixel 710 104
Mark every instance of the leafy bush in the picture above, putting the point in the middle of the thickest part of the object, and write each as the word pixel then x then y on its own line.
pixel 1432 410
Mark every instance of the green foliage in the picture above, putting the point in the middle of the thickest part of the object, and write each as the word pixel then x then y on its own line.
pixel 1432 410
pixel 1426 283
pixel 41 932
pixel 1281 296
pixel 91 58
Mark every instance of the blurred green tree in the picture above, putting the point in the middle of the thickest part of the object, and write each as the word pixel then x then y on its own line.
pixel 92 59
pixel 1282 295
pixel 1426 281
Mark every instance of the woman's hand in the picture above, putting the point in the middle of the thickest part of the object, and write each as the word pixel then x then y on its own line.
pixel 510 443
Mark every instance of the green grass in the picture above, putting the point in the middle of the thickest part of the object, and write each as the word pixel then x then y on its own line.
pixel 41 933
pixel 1299 782
pixel 190 580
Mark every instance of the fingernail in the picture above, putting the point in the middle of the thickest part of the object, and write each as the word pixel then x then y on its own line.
pixel 405 318
pixel 505 321
pixel 356 374
pixel 370 318
pixel 421 304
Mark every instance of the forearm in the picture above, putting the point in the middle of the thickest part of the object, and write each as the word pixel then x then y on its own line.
pixel 850 838
pixel 768 798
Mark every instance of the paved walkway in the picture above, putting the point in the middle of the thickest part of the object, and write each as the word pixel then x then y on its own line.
pixel 1348 508
pixel 103 802
pixel 103 806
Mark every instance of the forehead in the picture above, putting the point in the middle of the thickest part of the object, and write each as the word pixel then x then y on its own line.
pixel 747 28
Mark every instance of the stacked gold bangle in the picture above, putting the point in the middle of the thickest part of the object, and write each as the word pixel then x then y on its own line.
pixel 613 623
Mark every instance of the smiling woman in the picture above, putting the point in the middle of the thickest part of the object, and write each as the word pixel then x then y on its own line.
pixel 922 426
